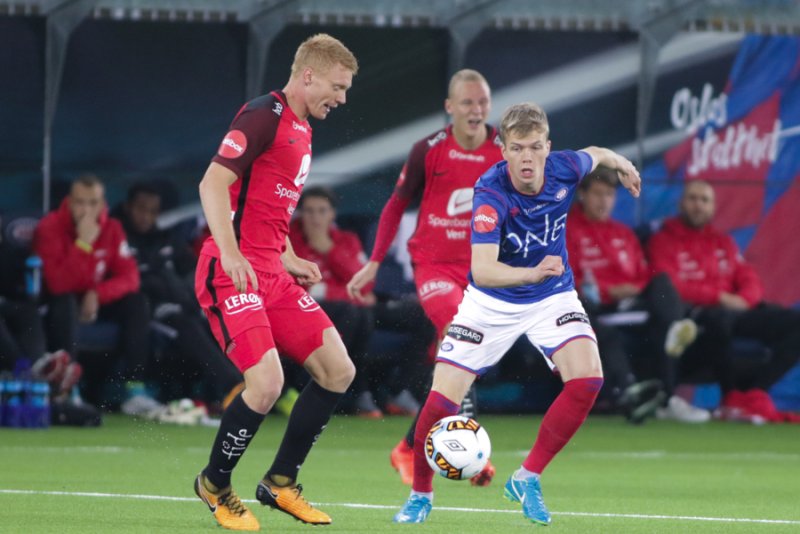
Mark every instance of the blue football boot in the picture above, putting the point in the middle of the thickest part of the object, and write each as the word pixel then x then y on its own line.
pixel 415 510
pixel 533 504
pixel 529 494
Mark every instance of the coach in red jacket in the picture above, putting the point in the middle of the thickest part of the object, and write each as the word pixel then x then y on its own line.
pixel 607 253
pixel 709 272
pixel 89 273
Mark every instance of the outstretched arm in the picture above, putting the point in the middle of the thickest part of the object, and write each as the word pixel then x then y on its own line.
pixel 626 171
pixel 488 272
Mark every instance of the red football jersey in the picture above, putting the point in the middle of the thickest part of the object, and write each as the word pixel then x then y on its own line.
pixel 445 173
pixel 269 149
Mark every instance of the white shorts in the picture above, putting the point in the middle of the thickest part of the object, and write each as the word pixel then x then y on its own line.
pixel 485 328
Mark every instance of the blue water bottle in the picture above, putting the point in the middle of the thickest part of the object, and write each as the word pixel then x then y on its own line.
pixel 14 409
pixel 33 277
pixel 38 404
pixel 589 290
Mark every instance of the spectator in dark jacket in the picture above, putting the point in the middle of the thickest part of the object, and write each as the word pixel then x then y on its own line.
pixel 89 274
pixel 21 328
pixel 166 267
pixel 712 276
pixel 22 335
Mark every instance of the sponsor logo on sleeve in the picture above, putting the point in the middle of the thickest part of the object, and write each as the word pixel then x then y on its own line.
pixel 234 145
pixel 572 317
pixel 561 193
pixel 485 219
pixel 441 136
pixel 447 346
pixel 462 333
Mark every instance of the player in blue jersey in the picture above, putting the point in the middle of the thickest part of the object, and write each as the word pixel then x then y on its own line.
pixel 520 283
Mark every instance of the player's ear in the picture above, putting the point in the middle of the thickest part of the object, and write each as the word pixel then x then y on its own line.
pixel 308 76
pixel 448 106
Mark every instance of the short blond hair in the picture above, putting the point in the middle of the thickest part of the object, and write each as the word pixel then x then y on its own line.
pixel 522 119
pixel 321 52
pixel 464 75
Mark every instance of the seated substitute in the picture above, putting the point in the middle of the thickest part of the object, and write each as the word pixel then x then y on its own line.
pixel 166 268
pixel 22 334
pixel 712 276
pixel 339 255
pixel 89 274
pixel 520 283
pixel 606 253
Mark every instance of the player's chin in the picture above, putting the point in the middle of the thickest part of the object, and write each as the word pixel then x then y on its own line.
pixel 324 112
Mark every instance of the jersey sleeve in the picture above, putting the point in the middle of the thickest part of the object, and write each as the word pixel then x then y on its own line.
pixel 571 166
pixel 411 181
pixel 250 133
pixel 387 226
pixel 409 185
pixel 489 211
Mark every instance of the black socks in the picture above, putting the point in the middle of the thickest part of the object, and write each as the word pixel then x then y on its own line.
pixel 237 428
pixel 308 419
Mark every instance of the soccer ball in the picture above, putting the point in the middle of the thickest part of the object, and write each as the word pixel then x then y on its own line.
pixel 457 447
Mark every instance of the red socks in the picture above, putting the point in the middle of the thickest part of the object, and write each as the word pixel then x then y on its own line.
pixel 562 420
pixel 436 407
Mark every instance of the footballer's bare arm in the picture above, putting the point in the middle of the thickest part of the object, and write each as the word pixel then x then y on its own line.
pixel 626 171
pixel 217 209
pixel 487 271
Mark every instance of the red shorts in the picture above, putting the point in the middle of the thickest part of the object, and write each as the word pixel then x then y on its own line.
pixel 440 288
pixel 286 316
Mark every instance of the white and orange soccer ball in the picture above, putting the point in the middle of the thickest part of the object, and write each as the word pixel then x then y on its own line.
pixel 457 447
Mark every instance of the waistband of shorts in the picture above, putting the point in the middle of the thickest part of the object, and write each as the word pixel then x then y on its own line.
pixel 493 303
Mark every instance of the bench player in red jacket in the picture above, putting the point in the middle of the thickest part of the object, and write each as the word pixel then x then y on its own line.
pixel 339 255
pixel 89 273
pixel 441 169
pixel 712 276
pixel 611 254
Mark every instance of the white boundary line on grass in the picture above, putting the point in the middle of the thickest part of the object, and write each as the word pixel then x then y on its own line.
pixel 385 507
pixel 656 454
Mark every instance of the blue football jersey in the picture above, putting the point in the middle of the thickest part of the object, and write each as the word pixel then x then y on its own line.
pixel 528 227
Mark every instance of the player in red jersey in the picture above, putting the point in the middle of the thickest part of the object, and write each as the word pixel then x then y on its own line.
pixel 249 283
pixel 441 168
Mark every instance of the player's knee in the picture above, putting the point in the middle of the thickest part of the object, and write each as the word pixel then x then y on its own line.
pixel 341 375
pixel 260 396
pixel 588 371
pixel 348 373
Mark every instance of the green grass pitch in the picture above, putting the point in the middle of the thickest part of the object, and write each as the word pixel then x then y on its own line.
pixel 135 476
